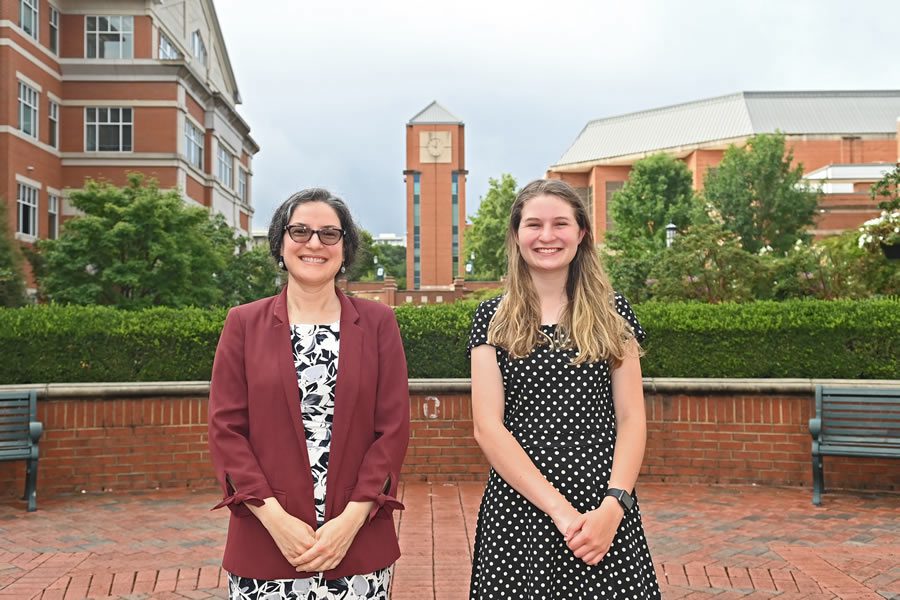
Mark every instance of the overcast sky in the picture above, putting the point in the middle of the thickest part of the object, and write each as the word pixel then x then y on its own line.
pixel 328 87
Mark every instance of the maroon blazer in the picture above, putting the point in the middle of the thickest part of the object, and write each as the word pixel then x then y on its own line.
pixel 258 442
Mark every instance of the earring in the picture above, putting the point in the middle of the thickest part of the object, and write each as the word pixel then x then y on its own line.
pixel 281 263
pixel 343 268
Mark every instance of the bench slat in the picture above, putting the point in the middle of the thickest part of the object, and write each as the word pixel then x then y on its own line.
pixel 862 433
pixel 886 399
pixel 865 408
pixel 859 423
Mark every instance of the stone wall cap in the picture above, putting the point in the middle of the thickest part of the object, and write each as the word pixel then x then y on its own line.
pixel 652 385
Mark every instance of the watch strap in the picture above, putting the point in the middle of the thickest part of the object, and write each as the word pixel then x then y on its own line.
pixel 624 498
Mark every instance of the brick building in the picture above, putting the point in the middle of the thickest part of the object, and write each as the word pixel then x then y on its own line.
pixel 844 140
pixel 435 198
pixel 95 89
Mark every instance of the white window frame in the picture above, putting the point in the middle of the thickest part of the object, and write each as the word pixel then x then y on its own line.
pixel 53 42
pixel 198 47
pixel 32 8
pixel 225 166
pixel 52 216
pixel 167 50
pixel 102 117
pixel 29 103
pixel 53 129
pixel 243 188
pixel 125 31
pixel 194 143
pixel 27 203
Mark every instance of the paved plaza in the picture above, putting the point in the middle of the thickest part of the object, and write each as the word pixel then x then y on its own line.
pixel 723 541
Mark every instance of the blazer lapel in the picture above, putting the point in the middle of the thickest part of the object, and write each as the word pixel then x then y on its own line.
pixel 345 396
pixel 284 356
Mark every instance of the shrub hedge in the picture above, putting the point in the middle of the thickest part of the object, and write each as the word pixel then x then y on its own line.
pixel 814 339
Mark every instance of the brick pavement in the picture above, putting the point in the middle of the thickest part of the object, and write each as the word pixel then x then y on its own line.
pixel 723 541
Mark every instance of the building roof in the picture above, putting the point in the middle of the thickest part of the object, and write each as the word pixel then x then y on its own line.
pixel 853 172
pixel 434 113
pixel 736 116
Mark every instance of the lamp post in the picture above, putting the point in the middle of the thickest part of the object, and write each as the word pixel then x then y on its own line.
pixel 470 264
pixel 671 230
pixel 379 270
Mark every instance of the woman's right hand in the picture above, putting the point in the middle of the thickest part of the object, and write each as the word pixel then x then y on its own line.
pixel 292 535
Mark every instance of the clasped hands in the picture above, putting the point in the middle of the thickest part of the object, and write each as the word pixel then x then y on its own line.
pixel 315 551
pixel 590 535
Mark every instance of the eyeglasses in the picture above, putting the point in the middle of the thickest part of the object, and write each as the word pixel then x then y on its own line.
pixel 327 235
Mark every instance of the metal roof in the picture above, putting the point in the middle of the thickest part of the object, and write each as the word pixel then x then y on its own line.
pixel 434 113
pixel 736 116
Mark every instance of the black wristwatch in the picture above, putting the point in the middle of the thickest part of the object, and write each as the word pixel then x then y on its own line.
pixel 624 498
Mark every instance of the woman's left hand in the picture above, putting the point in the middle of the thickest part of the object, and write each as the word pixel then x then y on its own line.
pixel 333 539
pixel 591 534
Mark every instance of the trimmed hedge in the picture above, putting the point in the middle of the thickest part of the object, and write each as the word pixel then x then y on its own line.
pixel 808 339
pixel 56 344
pixel 840 339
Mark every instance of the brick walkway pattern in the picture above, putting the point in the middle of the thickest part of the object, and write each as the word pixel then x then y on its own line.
pixel 723 541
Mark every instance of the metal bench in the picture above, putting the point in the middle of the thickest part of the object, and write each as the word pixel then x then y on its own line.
pixel 853 422
pixel 19 434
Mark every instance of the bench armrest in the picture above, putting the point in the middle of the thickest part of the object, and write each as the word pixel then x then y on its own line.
pixel 815 427
pixel 35 430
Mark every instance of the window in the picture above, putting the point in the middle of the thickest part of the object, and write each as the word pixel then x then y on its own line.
pixel 226 161
pixel 611 188
pixel 110 37
pixel 417 250
pixel 167 50
pixel 242 185
pixel 53 114
pixel 28 17
pixel 454 220
pixel 193 144
pixel 27 203
pixel 54 30
pixel 108 129
pixel 53 214
pixel 28 110
pixel 198 48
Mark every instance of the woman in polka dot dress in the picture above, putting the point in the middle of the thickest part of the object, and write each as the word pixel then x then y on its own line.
pixel 558 407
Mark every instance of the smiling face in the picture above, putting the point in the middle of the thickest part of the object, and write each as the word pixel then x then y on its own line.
pixel 312 262
pixel 548 235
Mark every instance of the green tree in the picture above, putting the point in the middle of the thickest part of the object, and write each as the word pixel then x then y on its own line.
pixel 135 247
pixel 887 190
pixel 12 280
pixel 707 263
pixel 760 195
pixel 393 259
pixel 487 235
pixel 363 267
pixel 249 274
pixel 659 191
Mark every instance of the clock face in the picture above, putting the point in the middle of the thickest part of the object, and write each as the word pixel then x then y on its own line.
pixel 435 147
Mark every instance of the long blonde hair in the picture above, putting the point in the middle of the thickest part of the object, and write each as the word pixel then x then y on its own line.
pixel 589 321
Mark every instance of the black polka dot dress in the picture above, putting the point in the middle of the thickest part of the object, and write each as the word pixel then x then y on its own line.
pixel 563 416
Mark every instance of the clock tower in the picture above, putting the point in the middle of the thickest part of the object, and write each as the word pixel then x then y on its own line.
pixel 435 198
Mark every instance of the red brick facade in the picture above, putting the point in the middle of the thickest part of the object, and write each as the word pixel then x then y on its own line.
pixel 143 443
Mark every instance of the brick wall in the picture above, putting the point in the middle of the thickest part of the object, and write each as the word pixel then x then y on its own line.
pixel 143 443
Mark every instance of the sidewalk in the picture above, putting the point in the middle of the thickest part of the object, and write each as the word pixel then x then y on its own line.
pixel 723 541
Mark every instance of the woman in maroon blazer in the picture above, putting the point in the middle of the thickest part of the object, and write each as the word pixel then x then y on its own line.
pixel 309 422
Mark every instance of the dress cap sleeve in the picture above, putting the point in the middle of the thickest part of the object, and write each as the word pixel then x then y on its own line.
pixel 624 309
pixel 480 321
